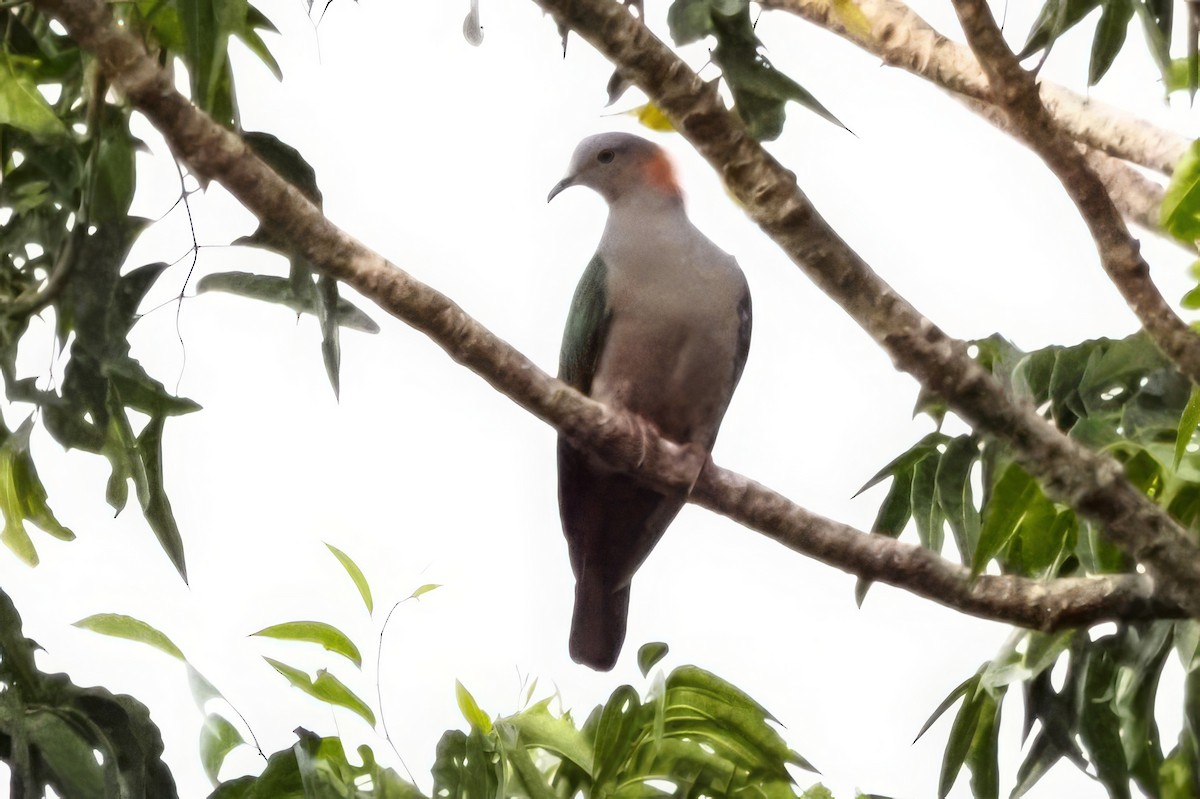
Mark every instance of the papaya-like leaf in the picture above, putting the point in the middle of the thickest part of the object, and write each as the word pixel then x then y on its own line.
pixel 1010 499
pixel 554 734
pixel 962 733
pixel 23 107
pixel 1180 211
pixel 1188 422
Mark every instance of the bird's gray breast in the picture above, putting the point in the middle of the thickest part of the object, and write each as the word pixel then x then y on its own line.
pixel 672 342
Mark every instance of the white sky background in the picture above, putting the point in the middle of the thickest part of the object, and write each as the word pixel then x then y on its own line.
pixel 439 156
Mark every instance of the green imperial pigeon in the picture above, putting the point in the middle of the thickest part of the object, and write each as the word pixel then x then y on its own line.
pixel 659 326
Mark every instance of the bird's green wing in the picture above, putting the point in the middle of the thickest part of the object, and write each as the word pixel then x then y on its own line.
pixel 587 327
pixel 745 323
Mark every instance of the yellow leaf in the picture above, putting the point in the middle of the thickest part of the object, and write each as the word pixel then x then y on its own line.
pixel 652 117
pixel 852 18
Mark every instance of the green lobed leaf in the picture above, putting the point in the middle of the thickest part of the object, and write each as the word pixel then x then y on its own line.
pixel 1100 726
pixel 531 779
pixel 317 632
pixel 959 691
pixel 962 734
pixel 113 175
pixel 736 713
pixel 983 755
pixel 465 767
pixel 117 625
pixel 117 727
pixel 1180 210
pixel 65 752
pixel 356 575
pixel 1010 500
pixel 1188 422
pixel 555 734
pixel 23 107
pixel 953 481
pixel 1046 535
pixel 893 515
pixel 926 511
pixel 905 461
pixel 616 730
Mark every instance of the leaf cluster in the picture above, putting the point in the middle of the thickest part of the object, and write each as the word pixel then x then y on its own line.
pixel 760 91
pixel 1157 19
pixel 52 730
pixel 694 734
pixel 67 177
pixel 1118 396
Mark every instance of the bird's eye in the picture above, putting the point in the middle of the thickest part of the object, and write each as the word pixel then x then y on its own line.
pixel 605 156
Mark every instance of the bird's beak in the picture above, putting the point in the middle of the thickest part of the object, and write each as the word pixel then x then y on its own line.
pixel 569 180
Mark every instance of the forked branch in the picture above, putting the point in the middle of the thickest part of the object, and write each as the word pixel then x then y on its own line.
pixel 218 154
pixel 1091 483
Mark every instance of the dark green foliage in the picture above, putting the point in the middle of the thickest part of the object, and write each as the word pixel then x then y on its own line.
pixel 1123 397
pixel 1112 27
pixel 303 290
pixel 67 178
pixel 760 92
pixel 50 729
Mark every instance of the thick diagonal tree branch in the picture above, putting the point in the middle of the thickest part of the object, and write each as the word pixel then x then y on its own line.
pixel 216 153
pixel 901 38
pixel 1016 92
pixel 1091 483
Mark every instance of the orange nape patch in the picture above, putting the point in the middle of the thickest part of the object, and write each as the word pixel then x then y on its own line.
pixel 660 174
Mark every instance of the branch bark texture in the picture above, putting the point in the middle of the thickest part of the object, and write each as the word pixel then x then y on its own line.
pixel 215 153
pixel 1092 484
pixel 901 38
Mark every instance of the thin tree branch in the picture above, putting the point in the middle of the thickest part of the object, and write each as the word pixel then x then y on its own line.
pixel 1046 606
pixel 1091 483
pixel 1016 92
pixel 218 154
pixel 901 38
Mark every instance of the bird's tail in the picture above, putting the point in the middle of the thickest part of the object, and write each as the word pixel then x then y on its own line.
pixel 598 624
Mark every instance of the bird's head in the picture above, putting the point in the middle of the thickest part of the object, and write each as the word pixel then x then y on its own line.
pixel 618 165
